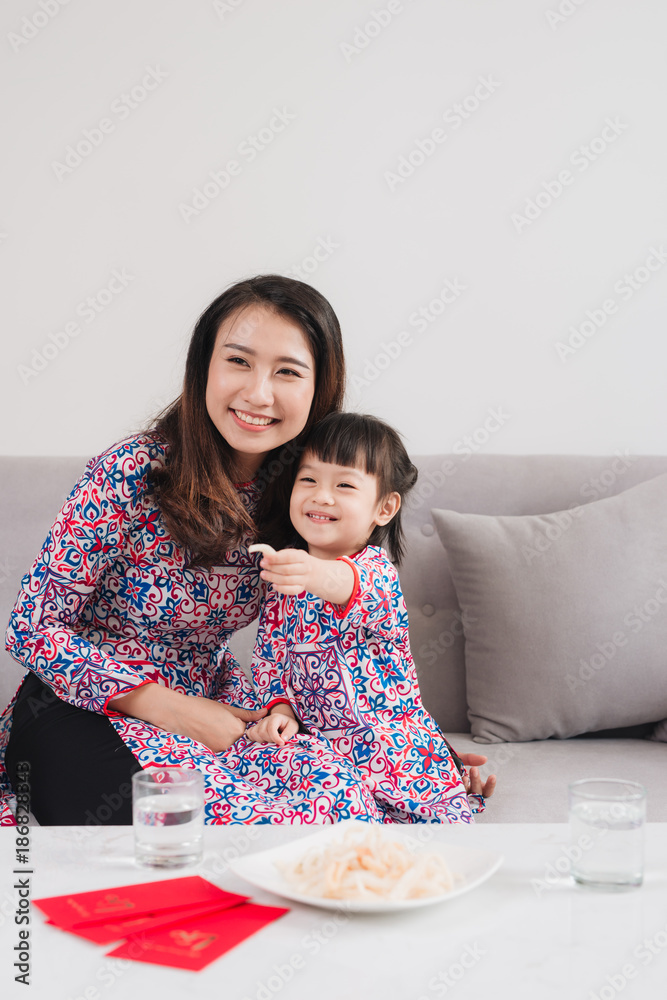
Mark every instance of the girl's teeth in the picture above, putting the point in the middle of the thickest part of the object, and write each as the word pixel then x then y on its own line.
pixel 261 421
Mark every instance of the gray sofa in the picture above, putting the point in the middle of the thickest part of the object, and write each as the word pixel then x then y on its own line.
pixel 532 774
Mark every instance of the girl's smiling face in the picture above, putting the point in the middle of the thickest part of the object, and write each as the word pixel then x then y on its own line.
pixel 335 508
pixel 261 382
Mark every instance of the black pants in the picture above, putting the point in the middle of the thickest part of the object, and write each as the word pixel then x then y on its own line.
pixel 80 769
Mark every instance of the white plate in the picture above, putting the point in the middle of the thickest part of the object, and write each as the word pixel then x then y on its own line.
pixel 470 866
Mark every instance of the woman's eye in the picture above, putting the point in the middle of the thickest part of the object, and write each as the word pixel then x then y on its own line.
pixel 240 361
pixel 288 371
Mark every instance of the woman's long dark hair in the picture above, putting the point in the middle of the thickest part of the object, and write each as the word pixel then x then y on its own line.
pixel 365 441
pixel 195 490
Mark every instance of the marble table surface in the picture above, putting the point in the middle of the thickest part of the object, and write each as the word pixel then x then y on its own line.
pixel 529 932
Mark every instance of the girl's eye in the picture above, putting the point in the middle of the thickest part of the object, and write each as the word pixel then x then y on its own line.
pixel 349 485
pixel 306 479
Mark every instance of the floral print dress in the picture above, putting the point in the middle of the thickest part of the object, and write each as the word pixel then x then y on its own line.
pixel 109 604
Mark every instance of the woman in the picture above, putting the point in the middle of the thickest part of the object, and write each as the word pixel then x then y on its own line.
pixel 124 618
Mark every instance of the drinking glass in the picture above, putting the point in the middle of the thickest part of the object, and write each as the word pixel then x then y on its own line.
pixel 168 816
pixel 607 818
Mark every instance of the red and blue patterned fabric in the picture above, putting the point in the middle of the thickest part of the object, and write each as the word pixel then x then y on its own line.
pixel 109 604
pixel 349 676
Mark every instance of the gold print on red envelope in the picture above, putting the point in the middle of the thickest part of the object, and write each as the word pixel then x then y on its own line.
pixel 143 899
pixel 193 940
pixel 112 903
pixel 199 940
pixel 76 905
pixel 184 923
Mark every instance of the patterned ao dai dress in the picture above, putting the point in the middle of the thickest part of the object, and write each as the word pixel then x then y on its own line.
pixel 349 676
pixel 110 604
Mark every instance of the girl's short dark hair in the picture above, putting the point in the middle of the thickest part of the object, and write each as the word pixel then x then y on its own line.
pixel 365 441
pixel 195 490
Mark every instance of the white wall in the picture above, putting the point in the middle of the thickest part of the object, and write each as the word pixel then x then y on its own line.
pixel 553 81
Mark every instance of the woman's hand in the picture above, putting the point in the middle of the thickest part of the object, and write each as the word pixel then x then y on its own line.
pixel 276 728
pixel 216 725
pixel 472 781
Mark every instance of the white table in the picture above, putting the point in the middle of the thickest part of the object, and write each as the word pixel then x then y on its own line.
pixel 528 932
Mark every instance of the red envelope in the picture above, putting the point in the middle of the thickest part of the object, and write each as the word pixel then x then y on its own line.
pixel 115 931
pixel 195 943
pixel 104 906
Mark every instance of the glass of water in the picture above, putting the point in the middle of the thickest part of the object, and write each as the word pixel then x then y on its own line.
pixel 168 816
pixel 607 818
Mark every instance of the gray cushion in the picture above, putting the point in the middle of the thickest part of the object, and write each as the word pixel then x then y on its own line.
pixel 565 615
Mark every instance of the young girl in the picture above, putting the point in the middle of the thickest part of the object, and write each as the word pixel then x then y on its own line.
pixel 332 652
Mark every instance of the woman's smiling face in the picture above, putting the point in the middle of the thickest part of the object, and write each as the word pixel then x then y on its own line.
pixel 261 383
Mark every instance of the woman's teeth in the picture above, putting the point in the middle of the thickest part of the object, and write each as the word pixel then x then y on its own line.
pixel 261 421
